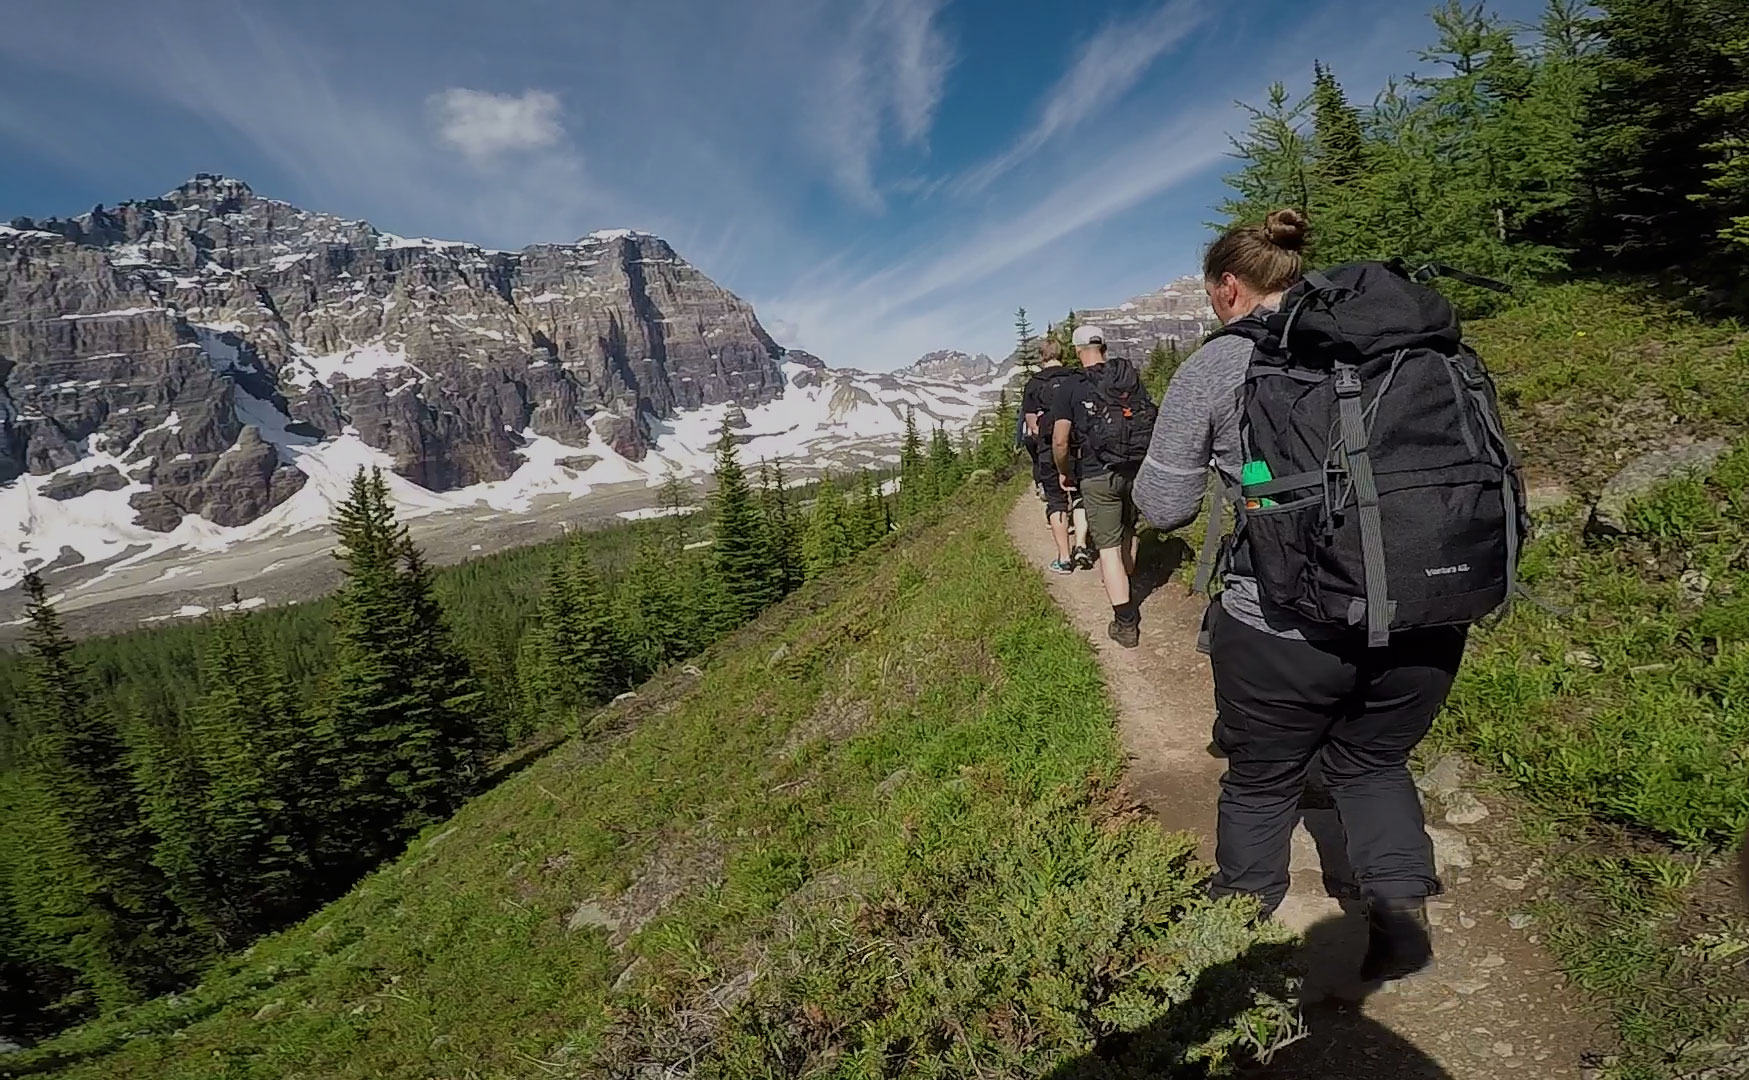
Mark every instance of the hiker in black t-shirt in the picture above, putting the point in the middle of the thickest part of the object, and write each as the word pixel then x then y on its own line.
pixel 1083 421
pixel 1062 506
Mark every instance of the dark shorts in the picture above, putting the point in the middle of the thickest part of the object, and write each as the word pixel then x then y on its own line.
pixel 1044 474
pixel 1111 512
pixel 1056 500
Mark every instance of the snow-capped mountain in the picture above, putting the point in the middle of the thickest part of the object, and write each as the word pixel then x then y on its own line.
pixel 1178 312
pixel 951 364
pixel 212 366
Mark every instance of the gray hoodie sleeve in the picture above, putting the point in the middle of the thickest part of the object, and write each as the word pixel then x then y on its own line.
pixel 1198 420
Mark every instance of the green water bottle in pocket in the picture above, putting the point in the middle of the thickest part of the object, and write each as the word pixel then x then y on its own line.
pixel 1256 472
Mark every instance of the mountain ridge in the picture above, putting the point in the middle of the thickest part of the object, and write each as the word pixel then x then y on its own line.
pixel 175 369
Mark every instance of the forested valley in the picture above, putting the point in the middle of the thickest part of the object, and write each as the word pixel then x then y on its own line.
pixel 170 794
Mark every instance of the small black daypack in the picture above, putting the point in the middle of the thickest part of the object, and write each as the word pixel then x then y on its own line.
pixel 1380 489
pixel 1121 422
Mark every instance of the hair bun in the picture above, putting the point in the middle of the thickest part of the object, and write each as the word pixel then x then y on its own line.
pixel 1286 229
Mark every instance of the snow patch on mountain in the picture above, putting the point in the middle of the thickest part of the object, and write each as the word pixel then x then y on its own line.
pixel 824 419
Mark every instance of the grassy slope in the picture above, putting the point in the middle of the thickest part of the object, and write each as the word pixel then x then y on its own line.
pixel 878 836
pixel 1625 724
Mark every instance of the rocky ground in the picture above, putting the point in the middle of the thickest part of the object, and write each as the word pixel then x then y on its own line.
pixel 1495 1003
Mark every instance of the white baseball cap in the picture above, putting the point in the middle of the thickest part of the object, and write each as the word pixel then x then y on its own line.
pixel 1088 335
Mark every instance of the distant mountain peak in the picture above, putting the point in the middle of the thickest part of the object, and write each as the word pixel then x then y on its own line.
pixel 1177 312
pixel 951 364
pixel 205 189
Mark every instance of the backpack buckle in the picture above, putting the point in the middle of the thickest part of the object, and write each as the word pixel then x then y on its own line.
pixel 1347 380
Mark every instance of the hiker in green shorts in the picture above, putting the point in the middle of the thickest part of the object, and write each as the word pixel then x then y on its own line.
pixel 1101 425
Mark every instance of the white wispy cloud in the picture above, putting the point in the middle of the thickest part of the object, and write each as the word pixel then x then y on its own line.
pixel 833 311
pixel 482 124
pixel 1106 67
pixel 885 76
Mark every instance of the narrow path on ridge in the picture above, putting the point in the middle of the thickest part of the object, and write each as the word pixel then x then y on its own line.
pixel 1495 1003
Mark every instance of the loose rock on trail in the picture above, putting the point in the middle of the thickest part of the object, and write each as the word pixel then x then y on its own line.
pixel 1495 1003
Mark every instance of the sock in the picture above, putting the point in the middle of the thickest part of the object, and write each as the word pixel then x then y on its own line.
pixel 1127 613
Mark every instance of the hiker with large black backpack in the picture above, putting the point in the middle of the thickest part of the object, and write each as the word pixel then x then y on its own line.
pixel 1063 509
pixel 1101 424
pixel 1378 513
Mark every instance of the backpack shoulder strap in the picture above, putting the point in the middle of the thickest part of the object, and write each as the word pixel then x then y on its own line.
pixel 1366 495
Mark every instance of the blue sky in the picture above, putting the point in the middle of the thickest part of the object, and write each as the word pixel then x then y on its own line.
pixel 879 178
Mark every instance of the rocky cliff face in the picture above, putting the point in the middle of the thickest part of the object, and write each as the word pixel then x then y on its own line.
pixel 178 348
pixel 1177 314
pixel 950 364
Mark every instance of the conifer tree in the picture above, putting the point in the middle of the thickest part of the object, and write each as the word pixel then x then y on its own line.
pixel 1025 348
pixel 913 470
pixel 870 518
pixel 580 652
pixel 104 912
pixel 829 540
pixel 1727 111
pixel 254 775
pixel 674 499
pixel 944 467
pixel 782 528
pixel 1163 361
pixel 397 736
pixel 996 443
pixel 744 584
pixel 1339 148
pixel 1277 157
pixel 659 622
pixel 173 790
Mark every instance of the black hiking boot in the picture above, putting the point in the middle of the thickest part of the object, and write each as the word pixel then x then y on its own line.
pixel 1085 558
pixel 1399 941
pixel 1127 634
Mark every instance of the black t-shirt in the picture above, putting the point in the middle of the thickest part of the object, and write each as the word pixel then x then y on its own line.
pixel 1040 392
pixel 1074 398
pixel 1037 397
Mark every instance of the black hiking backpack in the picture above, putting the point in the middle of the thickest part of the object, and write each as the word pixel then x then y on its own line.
pixel 1120 422
pixel 1380 489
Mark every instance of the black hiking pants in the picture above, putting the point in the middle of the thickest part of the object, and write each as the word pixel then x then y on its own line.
pixel 1283 705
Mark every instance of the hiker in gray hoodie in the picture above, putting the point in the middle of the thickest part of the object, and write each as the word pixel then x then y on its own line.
pixel 1289 695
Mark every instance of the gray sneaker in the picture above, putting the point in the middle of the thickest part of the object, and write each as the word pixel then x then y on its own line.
pixel 1129 635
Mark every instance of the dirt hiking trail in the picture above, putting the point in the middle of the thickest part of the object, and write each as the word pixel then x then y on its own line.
pixel 1494 1005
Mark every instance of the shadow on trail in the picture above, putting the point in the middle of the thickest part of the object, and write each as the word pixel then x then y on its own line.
pixel 1337 1042
pixel 1158 557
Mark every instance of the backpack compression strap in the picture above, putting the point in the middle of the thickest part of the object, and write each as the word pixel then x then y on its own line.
pixel 1366 494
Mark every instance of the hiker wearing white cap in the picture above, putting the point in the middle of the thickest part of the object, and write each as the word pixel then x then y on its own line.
pixel 1101 425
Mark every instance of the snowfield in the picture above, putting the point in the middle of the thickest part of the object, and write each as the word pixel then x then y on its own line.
pixel 845 420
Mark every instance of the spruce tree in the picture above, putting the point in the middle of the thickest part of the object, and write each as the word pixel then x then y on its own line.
pixel 829 540
pixel 103 912
pixel 944 466
pixel 659 622
pixel 36 983
pixel 580 652
pixel 913 470
pixel 745 584
pixel 1727 110
pixel 1025 347
pixel 1339 148
pixel 397 736
pixel 173 789
pixel 782 528
pixel 254 742
pixel 1163 361
pixel 996 443
pixel 870 519
pixel 1648 141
